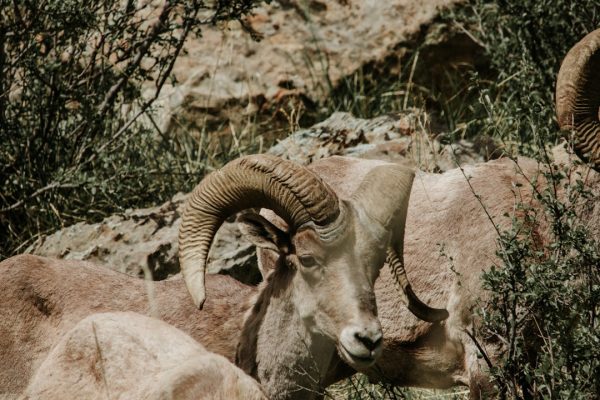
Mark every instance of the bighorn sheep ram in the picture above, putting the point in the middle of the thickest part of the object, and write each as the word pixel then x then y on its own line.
pixel 130 356
pixel 318 298
pixel 450 240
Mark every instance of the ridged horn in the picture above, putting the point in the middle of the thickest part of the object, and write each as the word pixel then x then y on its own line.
pixel 578 97
pixel 292 191
pixel 384 195
pixel 415 305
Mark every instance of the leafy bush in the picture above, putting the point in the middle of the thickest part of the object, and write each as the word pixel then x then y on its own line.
pixel 75 79
pixel 545 300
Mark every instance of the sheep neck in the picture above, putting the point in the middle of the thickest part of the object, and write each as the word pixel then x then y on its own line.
pixel 278 348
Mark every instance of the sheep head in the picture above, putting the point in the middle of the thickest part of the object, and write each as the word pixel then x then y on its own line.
pixel 331 254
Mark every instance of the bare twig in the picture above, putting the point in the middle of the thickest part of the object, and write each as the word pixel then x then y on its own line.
pixel 53 185
pixel 156 30
pixel 149 102
pixel 484 354
pixel 410 80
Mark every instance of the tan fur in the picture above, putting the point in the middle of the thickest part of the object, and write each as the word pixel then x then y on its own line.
pixel 449 242
pixel 44 298
pixel 303 316
pixel 130 356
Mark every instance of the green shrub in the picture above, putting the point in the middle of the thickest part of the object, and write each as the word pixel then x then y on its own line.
pixel 545 299
pixel 75 79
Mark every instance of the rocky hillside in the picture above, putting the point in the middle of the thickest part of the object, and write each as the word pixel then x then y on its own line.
pixel 144 242
pixel 306 49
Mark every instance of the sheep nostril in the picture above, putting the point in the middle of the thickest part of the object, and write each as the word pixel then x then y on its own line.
pixel 370 343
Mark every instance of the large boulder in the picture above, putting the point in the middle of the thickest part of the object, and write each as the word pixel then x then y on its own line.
pixel 308 47
pixel 400 138
pixel 144 242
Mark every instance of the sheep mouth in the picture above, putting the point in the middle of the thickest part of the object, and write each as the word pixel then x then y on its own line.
pixel 355 361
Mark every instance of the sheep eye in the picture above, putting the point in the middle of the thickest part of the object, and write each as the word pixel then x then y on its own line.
pixel 307 261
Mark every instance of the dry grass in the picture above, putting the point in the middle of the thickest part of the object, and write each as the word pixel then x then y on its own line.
pixel 359 388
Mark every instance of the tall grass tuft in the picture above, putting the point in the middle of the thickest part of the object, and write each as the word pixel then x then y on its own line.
pixel 76 81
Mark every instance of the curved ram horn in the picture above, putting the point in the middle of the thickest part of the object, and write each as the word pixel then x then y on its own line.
pixel 578 97
pixel 415 305
pixel 292 191
pixel 385 195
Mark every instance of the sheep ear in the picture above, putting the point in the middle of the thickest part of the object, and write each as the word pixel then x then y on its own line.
pixel 262 233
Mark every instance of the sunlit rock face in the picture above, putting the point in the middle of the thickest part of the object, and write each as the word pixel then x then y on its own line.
pixel 143 243
pixel 307 48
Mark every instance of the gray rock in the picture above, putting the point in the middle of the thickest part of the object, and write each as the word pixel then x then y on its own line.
pixel 399 138
pixel 143 243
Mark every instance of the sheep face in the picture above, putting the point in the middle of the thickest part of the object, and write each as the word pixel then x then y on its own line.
pixel 330 282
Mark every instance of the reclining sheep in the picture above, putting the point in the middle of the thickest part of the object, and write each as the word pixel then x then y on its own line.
pixel 130 356
pixel 318 299
pixel 450 239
